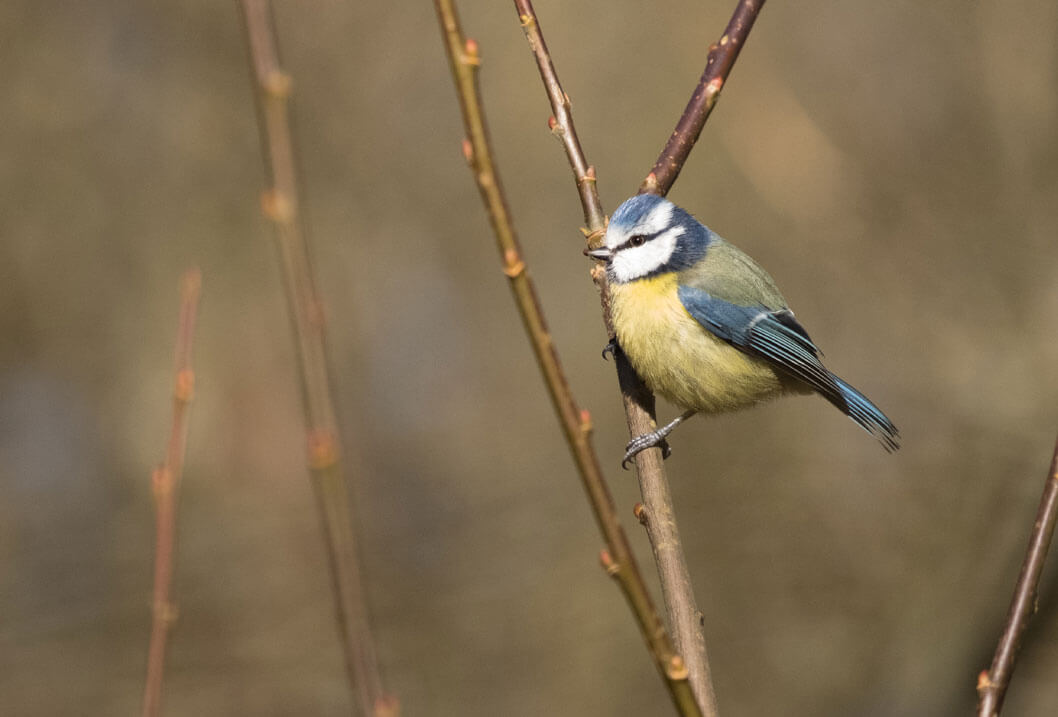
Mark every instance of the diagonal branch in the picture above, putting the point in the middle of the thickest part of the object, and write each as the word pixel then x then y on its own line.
pixel 576 424
pixel 280 205
pixel 721 59
pixel 166 484
pixel 561 123
pixel 992 685
pixel 657 512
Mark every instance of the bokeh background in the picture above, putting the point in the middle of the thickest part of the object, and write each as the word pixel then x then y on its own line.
pixel 895 166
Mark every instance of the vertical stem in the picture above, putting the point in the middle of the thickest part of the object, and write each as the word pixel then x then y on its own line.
pixel 165 482
pixel 992 685
pixel 464 60
pixel 657 513
pixel 280 205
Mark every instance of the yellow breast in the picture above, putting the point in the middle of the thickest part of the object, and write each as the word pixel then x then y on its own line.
pixel 678 358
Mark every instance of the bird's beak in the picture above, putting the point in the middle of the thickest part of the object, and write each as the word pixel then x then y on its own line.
pixel 602 252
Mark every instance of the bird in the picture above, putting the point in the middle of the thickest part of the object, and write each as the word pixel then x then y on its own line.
pixel 705 326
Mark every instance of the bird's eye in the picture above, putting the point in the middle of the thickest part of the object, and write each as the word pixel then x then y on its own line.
pixel 637 240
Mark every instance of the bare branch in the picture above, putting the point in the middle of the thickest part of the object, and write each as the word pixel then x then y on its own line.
pixel 165 481
pixel 561 123
pixel 657 511
pixel 721 59
pixel 992 685
pixel 576 424
pixel 280 205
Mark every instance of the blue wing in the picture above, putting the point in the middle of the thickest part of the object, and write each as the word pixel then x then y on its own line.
pixel 779 339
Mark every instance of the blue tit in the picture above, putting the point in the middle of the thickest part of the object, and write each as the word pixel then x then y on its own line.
pixel 705 326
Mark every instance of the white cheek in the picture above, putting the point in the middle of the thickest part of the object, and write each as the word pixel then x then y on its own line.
pixel 634 262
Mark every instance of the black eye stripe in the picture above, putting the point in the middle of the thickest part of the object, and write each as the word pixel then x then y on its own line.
pixel 636 240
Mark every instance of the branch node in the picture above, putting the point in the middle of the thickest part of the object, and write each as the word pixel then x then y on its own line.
pixel 485 179
pixel 527 21
pixel 586 426
pixel 677 668
pixel 387 706
pixel 277 206
pixel 640 512
pixel 161 483
pixel 650 184
pixel 277 84
pixel 322 448
pixel 594 237
pixel 513 266
pixel 471 53
pixel 611 566
pixel 184 389
pixel 165 611
pixel 468 151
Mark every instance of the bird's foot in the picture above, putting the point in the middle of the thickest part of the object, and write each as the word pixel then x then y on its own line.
pixel 647 440
pixel 654 438
pixel 611 348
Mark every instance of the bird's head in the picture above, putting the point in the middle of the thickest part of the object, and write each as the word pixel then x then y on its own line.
pixel 649 235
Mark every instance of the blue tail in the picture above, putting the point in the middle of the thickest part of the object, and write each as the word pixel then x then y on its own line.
pixel 859 408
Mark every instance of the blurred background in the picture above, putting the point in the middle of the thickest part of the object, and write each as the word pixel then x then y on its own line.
pixel 894 165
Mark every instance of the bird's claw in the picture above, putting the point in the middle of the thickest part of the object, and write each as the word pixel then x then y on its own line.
pixel 611 348
pixel 640 443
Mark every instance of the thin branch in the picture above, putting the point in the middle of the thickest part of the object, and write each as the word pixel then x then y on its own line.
pixel 165 482
pixel 992 685
pixel 576 424
pixel 657 512
pixel 561 123
pixel 280 205
pixel 721 59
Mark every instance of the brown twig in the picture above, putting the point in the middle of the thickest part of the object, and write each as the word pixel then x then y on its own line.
pixel 280 205
pixel 721 59
pixel 165 482
pixel 657 512
pixel 561 123
pixel 576 424
pixel 992 684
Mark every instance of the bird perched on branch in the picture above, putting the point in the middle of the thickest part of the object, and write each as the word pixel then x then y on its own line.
pixel 705 326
